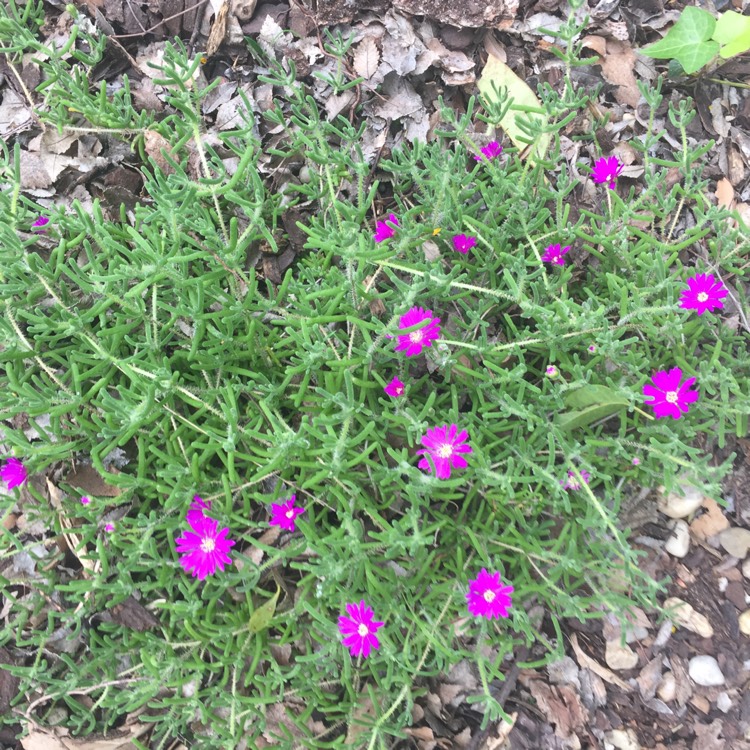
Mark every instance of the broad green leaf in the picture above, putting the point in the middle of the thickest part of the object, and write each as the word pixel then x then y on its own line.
pixel 589 404
pixel 688 41
pixel 498 73
pixel 261 618
pixel 733 34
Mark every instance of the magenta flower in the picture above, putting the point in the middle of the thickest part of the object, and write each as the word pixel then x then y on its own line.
pixel 592 348
pixel 552 372
pixel 635 461
pixel 283 515
pixel 195 511
pixel 490 151
pixel 487 597
pixel 553 254
pixel 359 629
pixel 463 243
pixel 607 170
pixel 85 500
pixel 13 473
pixel 572 483
pixel 109 528
pixel 395 388
pixel 204 548
pixel 40 223
pixel 383 231
pixel 413 343
pixel 670 398
pixel 704 292
pixel 445 448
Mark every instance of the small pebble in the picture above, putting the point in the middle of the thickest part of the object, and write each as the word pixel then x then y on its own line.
pixel 678 543
pixel 723 702
pixel 688 618
pixel 676 505
pixel 619 657
pixel 704 670
pixel 735 541
pixel 667 687
pixel 744 620
pixel 746 568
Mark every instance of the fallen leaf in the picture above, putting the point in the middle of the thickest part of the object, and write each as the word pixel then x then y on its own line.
pixel 711 522
pixel 585 661
pixel 366 58
pixel 497 74
pixel 724 192
pixel 617 68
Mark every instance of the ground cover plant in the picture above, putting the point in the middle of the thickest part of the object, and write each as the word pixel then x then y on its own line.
pixel 316 494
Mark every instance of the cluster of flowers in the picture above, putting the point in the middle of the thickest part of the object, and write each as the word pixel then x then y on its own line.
pixel 204 546
pixel 668 395
pixel 204 549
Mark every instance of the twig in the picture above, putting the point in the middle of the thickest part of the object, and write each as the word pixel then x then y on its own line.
pixel 168 18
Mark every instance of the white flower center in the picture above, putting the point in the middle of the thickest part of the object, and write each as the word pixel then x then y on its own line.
pixel 444 451
pixel 208 544
pixel 489 596
pixel 416 337
pixel 671 396
pixel 574 484
pixel 702 297
pixel 362 630
pixel 290 513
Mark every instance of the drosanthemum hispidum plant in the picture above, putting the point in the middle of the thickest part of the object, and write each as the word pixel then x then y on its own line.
pixel 343 480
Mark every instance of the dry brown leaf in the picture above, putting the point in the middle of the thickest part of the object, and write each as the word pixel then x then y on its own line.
pixel 596 43
pixel 711 522
pixel 366 58
pixel 724 192
pixel 155 143
pixel 218 30
pixel 617 67
pixel 585 661
pixel 89 481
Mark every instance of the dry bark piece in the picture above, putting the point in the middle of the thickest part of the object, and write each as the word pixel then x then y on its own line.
pixel 475 14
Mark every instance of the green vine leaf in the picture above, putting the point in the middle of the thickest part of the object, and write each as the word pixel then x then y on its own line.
pixel 688 41
pixel 733 34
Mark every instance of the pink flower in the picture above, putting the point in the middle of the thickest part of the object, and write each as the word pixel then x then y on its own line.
pixel 553 254
pixel 607 170
pixel 85 500
pixel 40 223
pixel 572 482
pixel 704 292
pixel 463 243
pixel 413 343
pixel 284 514
pixel 635 461
pixel 487 597
pixel 109 528
pixel 204 548
pixel 195 511
pixel 592 348
pixel 359 629
pixel 13 473
pixel 444 447
pixel 395 388
pixel 490 151
pixel 670 397
pixel 383 231
pixel 552 372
